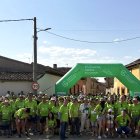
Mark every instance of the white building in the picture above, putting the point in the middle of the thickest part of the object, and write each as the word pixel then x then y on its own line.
pixel 17 77
pixel 47 83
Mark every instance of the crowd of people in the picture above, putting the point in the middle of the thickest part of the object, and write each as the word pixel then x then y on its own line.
pixel 99 115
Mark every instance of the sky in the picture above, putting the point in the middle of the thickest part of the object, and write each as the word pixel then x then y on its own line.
pixel 85 20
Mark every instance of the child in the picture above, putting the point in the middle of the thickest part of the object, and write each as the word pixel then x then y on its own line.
pixel 110 122
pixel 51 123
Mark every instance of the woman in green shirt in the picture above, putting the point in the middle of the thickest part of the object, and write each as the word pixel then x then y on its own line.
pixel 21 116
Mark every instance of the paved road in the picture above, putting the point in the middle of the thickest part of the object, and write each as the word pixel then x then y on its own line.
pixel 57 138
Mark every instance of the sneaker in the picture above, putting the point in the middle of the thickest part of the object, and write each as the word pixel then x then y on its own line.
pixel 19 135
pixel 119 136
pixel 27 134
pixel 125 136
pixel 104 136
pixel 99 137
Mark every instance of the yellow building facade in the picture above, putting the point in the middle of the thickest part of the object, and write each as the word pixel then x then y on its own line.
pixel 134 68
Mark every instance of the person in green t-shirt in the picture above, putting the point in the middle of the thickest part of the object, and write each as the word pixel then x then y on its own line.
pixel 100 109
pixel 6 111
pixel 120 105
pixel 31 103
pixel 21 116
pixel 20 102
pixel 61 101
pixel 134 112
pixel 43 111
pixel 123 122
pixel 63 115
pixel 74 115
pixel 93 117
pixel 51 124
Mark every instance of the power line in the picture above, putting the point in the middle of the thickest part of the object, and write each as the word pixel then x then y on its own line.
pixel 96 42
pixel 15 20
pixel 95 30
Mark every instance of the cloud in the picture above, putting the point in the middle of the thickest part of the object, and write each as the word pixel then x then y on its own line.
pixel 46 42
pixel 49 55
pixel 62 56
pixel 116 40
pixel 128 57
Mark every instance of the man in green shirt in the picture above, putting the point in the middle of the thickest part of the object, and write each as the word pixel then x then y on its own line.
pixel 123 122
pixel 74 115
pixel 6 116
pixel 20 102
pixel 64 115
pixel 43 111
pixel 31 103
pixel 120 105
pixel 134 112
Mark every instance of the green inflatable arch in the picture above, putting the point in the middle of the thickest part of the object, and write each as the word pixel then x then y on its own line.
pixel 97 70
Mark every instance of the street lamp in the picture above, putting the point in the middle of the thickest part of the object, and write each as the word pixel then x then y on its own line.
pixel 35 52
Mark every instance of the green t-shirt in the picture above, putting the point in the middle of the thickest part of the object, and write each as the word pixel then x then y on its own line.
pixel 135 110
pixel 43 109
pixel 109 106
pixel 122 121
pixel 13 106
pixel 99 110
pixel 55 110
pixel 139 123
pixel 69 104
pixel 92 114
pixel 19 104
pixel 21 114
pixel 120 106
pixel 64 113
pixel 51 123
pixel 74 110
pixel 51 104
pixel 32 105
pixel 6 112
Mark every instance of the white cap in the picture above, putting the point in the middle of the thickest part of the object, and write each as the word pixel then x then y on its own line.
pixel 53 99
pixel 110 110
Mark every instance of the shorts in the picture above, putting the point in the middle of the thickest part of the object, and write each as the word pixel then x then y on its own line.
pixel 57 123
pixel 110 125
pixel 43 119
pixel 101 118
pixel 32 119
pixel 135 120
pixel 94 124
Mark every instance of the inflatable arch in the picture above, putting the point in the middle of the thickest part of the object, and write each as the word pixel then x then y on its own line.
pixel 97 70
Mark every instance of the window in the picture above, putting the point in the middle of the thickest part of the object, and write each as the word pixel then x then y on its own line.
pixel 118 90
pixel 123 90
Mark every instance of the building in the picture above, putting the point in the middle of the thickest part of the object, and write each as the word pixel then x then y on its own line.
pixel 109 84
pixel 17 77
pixel 134 68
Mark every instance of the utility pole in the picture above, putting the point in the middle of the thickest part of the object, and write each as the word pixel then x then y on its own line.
pixel 35 54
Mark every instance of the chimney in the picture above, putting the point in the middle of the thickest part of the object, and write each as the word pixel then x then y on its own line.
pixel 55 66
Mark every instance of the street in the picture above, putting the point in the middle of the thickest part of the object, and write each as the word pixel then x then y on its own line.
pixel 44 137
